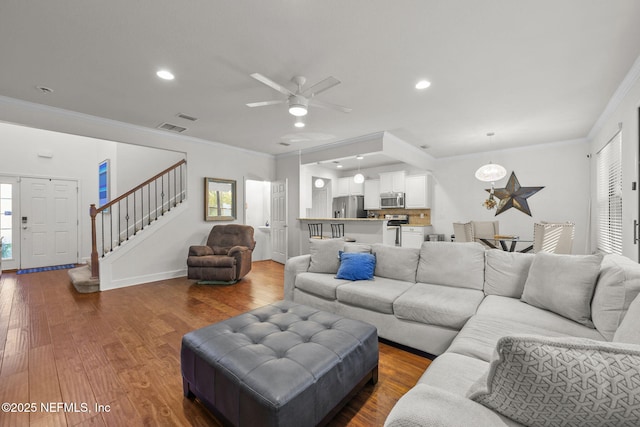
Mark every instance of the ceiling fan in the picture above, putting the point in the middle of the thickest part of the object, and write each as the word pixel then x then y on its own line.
pixel 299 100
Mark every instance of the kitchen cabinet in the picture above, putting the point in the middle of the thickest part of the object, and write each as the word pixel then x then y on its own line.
pixel 414 237
pixel 348 187
pixel 372 194
pixel 392 182
pixel 418 191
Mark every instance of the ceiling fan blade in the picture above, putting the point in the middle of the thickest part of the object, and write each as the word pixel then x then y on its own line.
pixel 265 103
pixel 267 81
pixel 329 106
pixel 321 86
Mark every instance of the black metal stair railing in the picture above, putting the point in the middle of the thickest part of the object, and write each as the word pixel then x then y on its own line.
pixel 126 215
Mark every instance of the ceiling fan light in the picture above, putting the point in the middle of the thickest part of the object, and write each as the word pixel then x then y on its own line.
pixel 491 172
pixel 297 110
pixel 299 122
pixel 358 178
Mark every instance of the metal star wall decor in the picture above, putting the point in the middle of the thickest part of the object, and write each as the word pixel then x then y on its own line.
pixel 514 196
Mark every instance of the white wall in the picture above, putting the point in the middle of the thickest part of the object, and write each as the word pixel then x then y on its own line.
pixel 562 168
pixel 135 171
pixel 77 157
pixel 74 157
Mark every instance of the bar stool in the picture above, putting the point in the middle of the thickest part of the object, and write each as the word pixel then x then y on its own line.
pixel 315 231
pixel 337 230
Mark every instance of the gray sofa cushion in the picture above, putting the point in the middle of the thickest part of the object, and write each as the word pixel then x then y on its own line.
pixel 514 310
pixel 320 284
pixel 468 370
pixel 357 247
pixel 479 336
pixel 569 382
pixel 618 284
pixel 324 255
pixel 629 331
pixel 563 284
pixel 452 264
pixel 377 294
pixel 427 406
pixel 395 262
pixel 506 272
pixel 438 305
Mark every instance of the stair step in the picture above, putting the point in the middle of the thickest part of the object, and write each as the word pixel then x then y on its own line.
pixel 82 281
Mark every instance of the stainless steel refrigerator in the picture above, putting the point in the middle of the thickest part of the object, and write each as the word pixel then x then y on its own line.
pixel 349 207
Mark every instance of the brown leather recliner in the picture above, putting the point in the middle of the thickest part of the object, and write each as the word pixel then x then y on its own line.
pixel 225 258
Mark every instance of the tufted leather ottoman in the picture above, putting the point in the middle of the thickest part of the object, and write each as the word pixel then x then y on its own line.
pixel 284 364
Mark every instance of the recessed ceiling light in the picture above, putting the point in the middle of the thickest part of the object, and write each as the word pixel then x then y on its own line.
pixel 359 157
pixel 165 75
pixel 423 84
pixel 339 166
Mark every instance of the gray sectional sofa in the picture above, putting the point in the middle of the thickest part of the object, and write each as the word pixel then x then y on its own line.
pixel 520 339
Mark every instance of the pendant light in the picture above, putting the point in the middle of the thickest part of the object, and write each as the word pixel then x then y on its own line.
pixel 358 178
pixel 491 172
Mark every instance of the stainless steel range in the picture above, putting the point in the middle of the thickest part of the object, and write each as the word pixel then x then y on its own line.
pixel 392 234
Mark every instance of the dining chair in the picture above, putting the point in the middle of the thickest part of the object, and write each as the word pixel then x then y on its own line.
pixel 552 237
pixel 486 230
pixel 463 231
pixel 337 230
pixel 315 230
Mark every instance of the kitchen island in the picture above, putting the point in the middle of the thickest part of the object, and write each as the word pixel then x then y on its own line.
pixel 363 230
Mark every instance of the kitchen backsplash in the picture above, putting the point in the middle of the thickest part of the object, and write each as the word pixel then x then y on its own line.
pixel 414 215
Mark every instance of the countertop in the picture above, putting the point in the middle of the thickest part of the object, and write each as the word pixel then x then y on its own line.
pixel 341 219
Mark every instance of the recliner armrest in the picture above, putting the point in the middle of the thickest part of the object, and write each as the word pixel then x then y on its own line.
pixel 200 250
pixel 236 249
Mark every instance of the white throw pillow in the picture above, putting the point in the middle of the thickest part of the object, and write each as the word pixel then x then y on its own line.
pixel 563 284
pixel 540 381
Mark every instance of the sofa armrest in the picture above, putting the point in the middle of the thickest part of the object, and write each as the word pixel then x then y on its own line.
pixel 294 266
pixel 200 250
pixel 428 406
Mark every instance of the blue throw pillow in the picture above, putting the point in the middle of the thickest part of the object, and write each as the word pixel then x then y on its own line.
pixel 356 266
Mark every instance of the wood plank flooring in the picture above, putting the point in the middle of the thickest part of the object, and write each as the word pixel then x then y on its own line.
pixel 113 358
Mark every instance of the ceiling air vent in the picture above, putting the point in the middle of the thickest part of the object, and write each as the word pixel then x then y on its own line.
pixel 187 117
pixel 286 144
pixel 172 128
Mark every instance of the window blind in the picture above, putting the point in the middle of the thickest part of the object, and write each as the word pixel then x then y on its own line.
pixel 609 196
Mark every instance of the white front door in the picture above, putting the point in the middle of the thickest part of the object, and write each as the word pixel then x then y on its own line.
pixel 49 222
pixel 279 233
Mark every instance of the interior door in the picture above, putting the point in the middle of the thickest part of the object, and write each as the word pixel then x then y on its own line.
pixel 279 233
pixel 49 222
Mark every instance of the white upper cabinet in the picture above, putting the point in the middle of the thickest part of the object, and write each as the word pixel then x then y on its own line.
pixel 372 194
pixel 348 187
pixel 392 182
pixel 418 191
pixel 343 186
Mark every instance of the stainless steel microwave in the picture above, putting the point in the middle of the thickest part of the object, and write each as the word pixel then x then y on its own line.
pixel 392 201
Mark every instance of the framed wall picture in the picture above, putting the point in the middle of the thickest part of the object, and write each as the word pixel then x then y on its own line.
pixel 219 199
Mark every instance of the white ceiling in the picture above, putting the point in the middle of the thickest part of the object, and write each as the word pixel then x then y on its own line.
pixel 530 71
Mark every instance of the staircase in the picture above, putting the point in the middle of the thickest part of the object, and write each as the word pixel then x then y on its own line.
pixel 115 223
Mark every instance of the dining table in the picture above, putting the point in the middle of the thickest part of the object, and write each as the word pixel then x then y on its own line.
pixel 507 243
